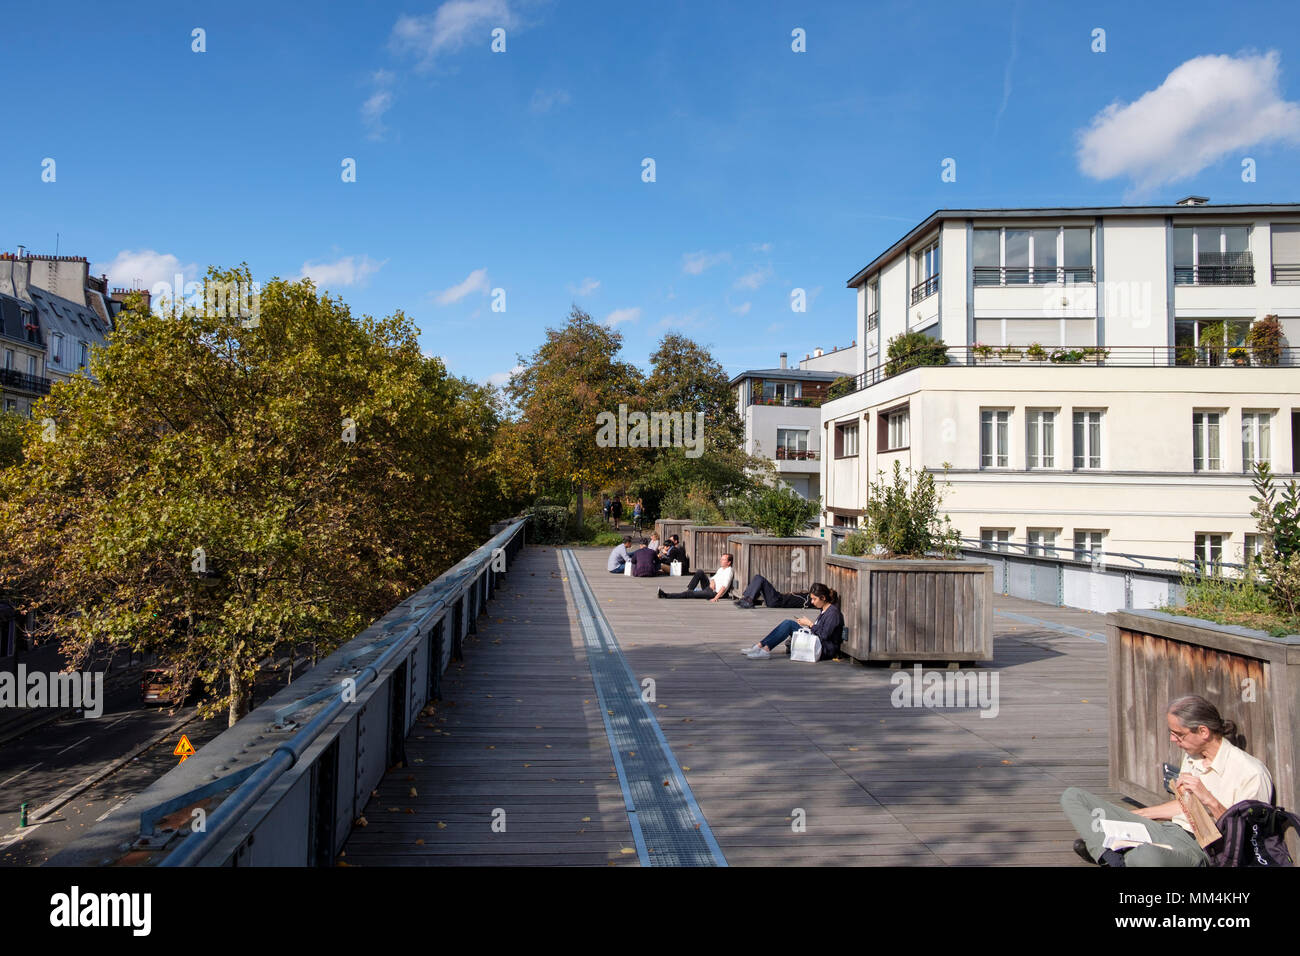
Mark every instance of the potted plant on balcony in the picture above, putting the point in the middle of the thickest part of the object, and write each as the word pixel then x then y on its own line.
pixel 1265 341
pixel 983 353
pixel 912 349
pixel 1095 354
pixel 1009 353
pixel 1067 356
pixel 1214 335
pixel 910 595
pixel 1239 355
pixel 1036 353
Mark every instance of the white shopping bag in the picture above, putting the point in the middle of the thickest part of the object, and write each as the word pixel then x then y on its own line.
pixel 675 570
pixel 805 646
pixel 627 568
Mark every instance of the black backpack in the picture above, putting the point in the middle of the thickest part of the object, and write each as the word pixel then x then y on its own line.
pixel 1254 834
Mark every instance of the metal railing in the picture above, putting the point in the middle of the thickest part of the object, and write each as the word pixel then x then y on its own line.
pixel 1035 275
pixel 796 454
pixel 873 320
pixel 1114 356
pixel 788 402
pixel 1217 268
pixel 22 382
pixel 925 288
pixel 1286 274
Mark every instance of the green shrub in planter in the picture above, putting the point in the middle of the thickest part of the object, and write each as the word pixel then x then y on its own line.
pixel 549 524
pixel 780 512
pixel 913 349
pixel 905 519
pixel 854 545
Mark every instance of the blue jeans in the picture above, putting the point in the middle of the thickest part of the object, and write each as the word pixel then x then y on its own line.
pixel 780 634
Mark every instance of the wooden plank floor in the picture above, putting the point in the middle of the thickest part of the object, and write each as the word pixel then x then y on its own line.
pixel 762 743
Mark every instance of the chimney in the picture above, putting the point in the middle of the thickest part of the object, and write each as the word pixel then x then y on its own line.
pixel 853 343
pixel 120 295
pixel 783 360
pixel 22 251
pixel 817 353
pixel 1193 201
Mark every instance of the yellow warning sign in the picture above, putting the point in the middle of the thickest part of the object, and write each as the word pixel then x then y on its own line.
pixel 184 749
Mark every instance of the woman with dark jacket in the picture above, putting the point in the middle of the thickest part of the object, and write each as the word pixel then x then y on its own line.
pixel 829 627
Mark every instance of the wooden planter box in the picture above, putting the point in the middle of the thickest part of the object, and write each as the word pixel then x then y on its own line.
pixel 667 526
pixel 775 559
pixel 914 610
pixel 1155 658
pixel 705 544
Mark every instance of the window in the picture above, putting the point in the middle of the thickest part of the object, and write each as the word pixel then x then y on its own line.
pixel 1041 439
pixel 781 393
pixel 897 424
pixel 1208 341
pixel 1213 255
pixel 1205 442
pixel 1254 439
pixel 873 304
pixel 11 405
pixel 1286 254
pixel 995 539
pixel 56 350
pixel 1087 439
pixel 792 444
pixel 9 358
pixel 994 429
pixel 1088 545
pixel 927 271
pixel 1208 552
pixel 85 354
pixel 1042 541
pixel 1023 256
pixel 33 368
pixel 846 441
pixel 1253 548
pixel 846 521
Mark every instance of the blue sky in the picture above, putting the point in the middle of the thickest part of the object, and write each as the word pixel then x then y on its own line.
pixel 522 170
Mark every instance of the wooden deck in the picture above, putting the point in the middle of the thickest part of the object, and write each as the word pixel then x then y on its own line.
pixel 520 733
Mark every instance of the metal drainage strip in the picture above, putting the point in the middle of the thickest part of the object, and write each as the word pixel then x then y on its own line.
pixel 667 824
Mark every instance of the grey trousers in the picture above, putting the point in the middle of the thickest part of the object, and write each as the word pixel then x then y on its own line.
pixel 1079 806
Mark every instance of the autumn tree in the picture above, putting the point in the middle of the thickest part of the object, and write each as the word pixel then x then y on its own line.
pixel 228 488
pixel 557 396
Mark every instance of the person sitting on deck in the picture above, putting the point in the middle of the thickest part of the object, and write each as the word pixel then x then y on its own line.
pixel 674 552
pixel 645 564
pixel 761 589
pixel 618 557
pixel 714 587
pixel 1214 771
pixel 829 627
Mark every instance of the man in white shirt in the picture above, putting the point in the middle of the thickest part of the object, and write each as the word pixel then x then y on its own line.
pixel 1214 771
pixel 714 587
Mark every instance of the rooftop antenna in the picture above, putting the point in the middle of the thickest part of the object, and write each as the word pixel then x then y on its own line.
pixel 56 245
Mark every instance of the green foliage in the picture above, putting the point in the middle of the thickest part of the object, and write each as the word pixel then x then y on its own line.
pixel 854 545
pixel 779 511
pixel 912 349
pixel 1246 601
pixel 1265 341
pixel 549 524
pixel 1213 341
pixel 904 518
pixel 842 386
pixel 606 539
pixel 13 427
pixel 1036 352
pixel 1277 517
pixel 1067 355
pixel 323 465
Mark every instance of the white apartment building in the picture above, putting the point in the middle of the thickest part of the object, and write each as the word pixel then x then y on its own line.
pixel 1133 424
pixel 780 411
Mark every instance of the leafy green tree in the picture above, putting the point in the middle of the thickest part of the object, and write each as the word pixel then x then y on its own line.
pixel 12 429
pixel 557 396
pixel 224 489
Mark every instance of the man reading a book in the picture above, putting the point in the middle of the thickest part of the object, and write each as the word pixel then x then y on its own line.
pixel 1215 773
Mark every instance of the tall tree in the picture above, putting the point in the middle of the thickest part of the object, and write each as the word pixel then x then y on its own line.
pixel 226 489
pixel 558 394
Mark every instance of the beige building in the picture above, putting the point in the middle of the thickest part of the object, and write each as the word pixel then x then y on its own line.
pixel 1101 392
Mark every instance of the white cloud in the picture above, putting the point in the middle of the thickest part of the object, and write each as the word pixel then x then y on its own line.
pixel 1207 108
pixel 476 281
pixel 742 309
pixel 587 287
pixel 500 378
pixel 693 263
pixel 372 113
pixel 761 246
pixel 350 270
pixel 753 280
pixel 544 101
pixel 450 27
pixel 622 315
pixel 144 269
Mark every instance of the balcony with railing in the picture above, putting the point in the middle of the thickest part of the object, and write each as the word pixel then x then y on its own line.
pixel 925 288
pixel 797 454
pixel 1116 356
pixel 1217 268
pixel 22 382
pixel 1286 273
pixel 1037 275
pixel 784 402
pixel 873 320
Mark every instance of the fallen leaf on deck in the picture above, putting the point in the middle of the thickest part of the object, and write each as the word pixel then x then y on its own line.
pixel 441 825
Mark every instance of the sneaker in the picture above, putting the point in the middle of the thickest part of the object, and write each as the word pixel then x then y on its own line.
pixel 759 654
pixel 661 592
pixel 745 604
pixel 1081 848
pixel 745 650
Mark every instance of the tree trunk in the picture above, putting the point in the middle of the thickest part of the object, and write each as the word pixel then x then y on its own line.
pixel 579 515
pixel 241 696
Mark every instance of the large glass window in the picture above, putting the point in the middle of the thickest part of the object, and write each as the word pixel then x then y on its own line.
pixel 898 428
pixel 781 393
pixel 1205 442
pixel 1022 256
pixel 1041 442
pixel 1042 541
pixel 1254 439
pixel 1087 439
pixel 846 441
pixel 1208 551
pixel 1286 254
pixel 1088 545
pixel 995 539
pixel 1017 260
pixel 1213 255
pixel 994 433
pixel 792 444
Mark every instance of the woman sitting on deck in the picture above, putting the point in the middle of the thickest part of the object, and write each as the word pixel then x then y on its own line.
pixel 829 627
